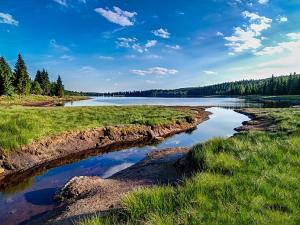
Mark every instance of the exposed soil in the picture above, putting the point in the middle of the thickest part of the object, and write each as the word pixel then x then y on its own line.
pixel 83 196
pixel 257 122
pixel 53 149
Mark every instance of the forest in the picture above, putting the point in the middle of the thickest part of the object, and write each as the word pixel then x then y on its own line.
pixel 18 81
pixel 282 85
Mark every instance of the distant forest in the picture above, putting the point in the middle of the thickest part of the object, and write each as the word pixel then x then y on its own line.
pixel 283 85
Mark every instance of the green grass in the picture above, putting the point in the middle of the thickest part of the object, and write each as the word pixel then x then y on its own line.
pixel 252 178
pixel 36 99
pixel 20 125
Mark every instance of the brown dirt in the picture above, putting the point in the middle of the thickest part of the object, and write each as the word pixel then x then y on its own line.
pixel 41 153
pixel 83 196
pixel 258 122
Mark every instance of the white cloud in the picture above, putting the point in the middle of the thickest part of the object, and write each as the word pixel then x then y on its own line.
pixel 61 2
pixel 163 33
pixel 209 72
pixel 291 46
pixel 282 19
pixel 67 57
pixel 248 37
pixel 8 19
pixel 118 16
pixel 132 43
pixel 155 71
pixel 150 43
pixel 125 42
pixel 102 57
pixel 174 47
pixel 57 46
pixel 219 34
pixel 263 2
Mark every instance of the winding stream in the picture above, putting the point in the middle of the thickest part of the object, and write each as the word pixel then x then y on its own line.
pixel 29 198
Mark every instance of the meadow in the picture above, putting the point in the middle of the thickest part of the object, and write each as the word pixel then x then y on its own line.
pixel 21 125
pixel 251 178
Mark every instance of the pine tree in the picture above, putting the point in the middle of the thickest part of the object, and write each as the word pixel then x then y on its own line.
pixel 6 78
pixel 36 88
pixel 42 78
pixel 22 81
pixel 59 87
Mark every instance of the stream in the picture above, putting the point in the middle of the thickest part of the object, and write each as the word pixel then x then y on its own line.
pixel 29 198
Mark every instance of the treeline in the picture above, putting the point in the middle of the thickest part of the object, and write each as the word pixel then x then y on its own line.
pixel 283 85
pixel 18 81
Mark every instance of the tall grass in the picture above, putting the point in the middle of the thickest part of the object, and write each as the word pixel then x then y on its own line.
pixel 252 178
pixel 19 125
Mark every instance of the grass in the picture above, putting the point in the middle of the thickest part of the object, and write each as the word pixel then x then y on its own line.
pixel 20 125
pixel 36 99
pixel 295 99
pixel 252 178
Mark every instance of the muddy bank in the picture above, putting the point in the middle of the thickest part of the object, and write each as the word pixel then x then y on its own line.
pixel 83 196
pixel 41 153
pixel 258 121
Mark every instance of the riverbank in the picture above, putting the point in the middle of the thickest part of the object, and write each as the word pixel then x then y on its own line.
pixel 38 100
pixel 247 179
pixel 156 123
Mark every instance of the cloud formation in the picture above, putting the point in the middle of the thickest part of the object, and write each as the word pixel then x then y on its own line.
pixel 118 16
pixel 161 71
pixel 133 44
pixel 248 37
pixel 292 46
pixel 163 33
pixel 209 72
pixel 8 19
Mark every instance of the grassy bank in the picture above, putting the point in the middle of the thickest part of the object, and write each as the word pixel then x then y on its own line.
pixel 252 178
pixel 37 100
pixel 294 99
pixel 21 125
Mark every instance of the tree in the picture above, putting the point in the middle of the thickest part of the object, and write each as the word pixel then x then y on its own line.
pixel 22 80
pixel 59 87
pixel 36 88
pixel 6 78
pixel 42 78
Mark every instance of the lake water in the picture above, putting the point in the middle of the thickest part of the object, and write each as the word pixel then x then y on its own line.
pixel 33 196
pixel 118 101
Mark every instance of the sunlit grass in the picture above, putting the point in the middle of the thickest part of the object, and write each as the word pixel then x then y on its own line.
pixel 20 126
pixel 252 178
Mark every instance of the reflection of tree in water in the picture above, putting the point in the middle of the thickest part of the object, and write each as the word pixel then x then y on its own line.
pixel 26 183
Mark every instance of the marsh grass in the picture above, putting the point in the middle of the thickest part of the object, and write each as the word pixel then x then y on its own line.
pixel 252 178
pixel 20 125
pixel 35 99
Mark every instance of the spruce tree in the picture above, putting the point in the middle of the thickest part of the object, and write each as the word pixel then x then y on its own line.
pixel 36 88
pixel 22 80
pixel 59 87
pixel 6 78
pixel 42 78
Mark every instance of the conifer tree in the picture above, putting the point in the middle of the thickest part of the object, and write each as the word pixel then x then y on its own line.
pixel 59 87
pixel 36 88
pixel 22 81
pixel 6 78
pixel 42 78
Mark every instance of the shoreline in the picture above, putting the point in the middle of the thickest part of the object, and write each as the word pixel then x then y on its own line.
pixel 39 155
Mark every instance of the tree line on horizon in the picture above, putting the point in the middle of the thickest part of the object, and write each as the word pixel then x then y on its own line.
pixel 282 85
pixel 18 81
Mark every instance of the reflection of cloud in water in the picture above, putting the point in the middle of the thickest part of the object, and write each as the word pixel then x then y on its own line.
pixel 116 169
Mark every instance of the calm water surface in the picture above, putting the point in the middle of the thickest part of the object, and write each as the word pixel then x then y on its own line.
pixel 220 102
pixel 30 198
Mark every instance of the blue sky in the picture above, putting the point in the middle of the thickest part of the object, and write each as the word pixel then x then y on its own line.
pixel 110 45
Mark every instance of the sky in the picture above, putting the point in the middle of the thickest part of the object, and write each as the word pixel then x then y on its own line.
pixel 110 45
